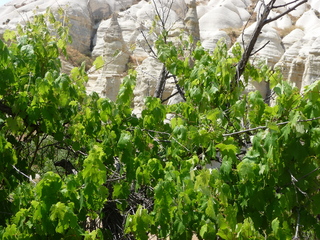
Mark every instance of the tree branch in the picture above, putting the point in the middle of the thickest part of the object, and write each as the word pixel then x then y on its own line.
pixel 286 4
pixel 172 95
pixel 23 174
pixel 254 37
pixel 264 45
pixel 265 127
pixel 285 12
pixel 161 83
pixel 179 88
pixel 149 45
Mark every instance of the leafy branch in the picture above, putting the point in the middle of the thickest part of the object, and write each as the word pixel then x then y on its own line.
pixel 265 127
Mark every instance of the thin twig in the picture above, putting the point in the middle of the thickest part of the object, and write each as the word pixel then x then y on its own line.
pixel 285 12
pixel 172 95
pixel 264 45
pixel 265 127
pixel 180 91
pixel 286 4
pixel 169 135
pixel 262 21
pixel 149 45
pixel 314 170
pixel 23 174
pixel 296 235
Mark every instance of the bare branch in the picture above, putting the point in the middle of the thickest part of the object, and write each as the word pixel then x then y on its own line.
pixel 296 235
pixel 158 14
pixel 264 45
pixel 285 12
pixel 263 20
pixel 314 170
pixel 149 45
pixel 170 136
pixel 161 83
pixel 286 4
pixel 23 174
pixel 265 127
pixel 179 88
pixel 172 95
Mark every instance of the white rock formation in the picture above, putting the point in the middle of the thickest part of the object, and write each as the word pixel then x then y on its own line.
pixel 312 66
pixel 93 33
pixel 115 58
pixel 292 64
pixel 293 37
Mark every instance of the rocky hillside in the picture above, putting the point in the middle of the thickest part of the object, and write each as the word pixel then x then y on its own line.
pixel 120 31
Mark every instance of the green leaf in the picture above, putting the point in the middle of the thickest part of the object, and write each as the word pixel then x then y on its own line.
pixel 99 62
pixel 203 230
pixel 275 225
pixel 247 169
pixel 94 169
pixel 210 209
pixel 124 140
pixel 227 147
pixel 27 50
pixel 273 126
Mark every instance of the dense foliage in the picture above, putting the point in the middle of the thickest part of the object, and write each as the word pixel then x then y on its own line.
pixel 147 175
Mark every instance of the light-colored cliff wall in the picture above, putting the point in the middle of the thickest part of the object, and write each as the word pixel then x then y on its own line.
pixel 293 39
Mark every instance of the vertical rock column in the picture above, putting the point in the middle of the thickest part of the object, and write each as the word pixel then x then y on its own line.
pixel 191 21
pixel 312 67
pixel 115 56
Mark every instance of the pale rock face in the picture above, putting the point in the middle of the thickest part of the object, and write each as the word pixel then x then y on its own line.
pixel 299 10
pixel 201 10
pixel 312 67
pixel 191 21
pixel 66 66
pixel 315 4
pixel 81 13
pixel 297 68
pixel 294 36
pixel 210 39
pixel 147 76
pixel 93 32
pixel 283 22
pixel 244 15
pixel 308 21
pixel 115 56
pixel 100 9
pixel 216 19
pixel 292 65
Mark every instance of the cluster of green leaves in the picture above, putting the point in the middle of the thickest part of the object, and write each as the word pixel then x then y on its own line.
pixel 267 185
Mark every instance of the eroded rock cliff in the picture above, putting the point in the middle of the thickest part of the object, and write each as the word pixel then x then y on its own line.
pixel 119 30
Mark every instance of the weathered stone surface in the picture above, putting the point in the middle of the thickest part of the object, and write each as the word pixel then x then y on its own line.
pixel 312 67
pixel 191 21
pixel 294 36
pixel 295 54
pixel 216 19
pixel 292 65
pixel 309 21
pixel 99 10
pixel 147 76
pixel 115 56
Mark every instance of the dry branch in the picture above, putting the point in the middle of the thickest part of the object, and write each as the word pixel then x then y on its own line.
pixel 263 20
